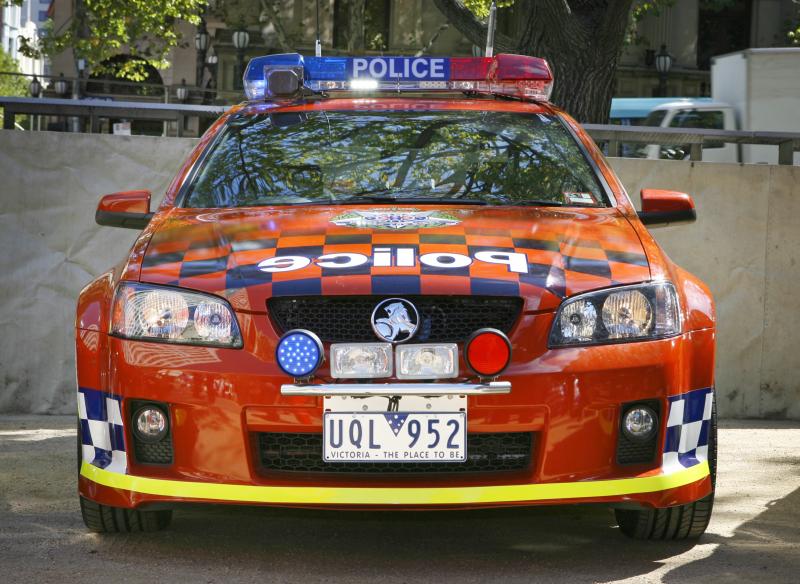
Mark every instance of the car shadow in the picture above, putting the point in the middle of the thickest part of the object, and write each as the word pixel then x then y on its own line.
pixel 569 544
pixel 765 548
pixel 219 543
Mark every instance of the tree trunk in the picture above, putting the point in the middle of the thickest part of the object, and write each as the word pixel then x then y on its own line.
pixel 355 26
pixel 271 14
pixel 581 39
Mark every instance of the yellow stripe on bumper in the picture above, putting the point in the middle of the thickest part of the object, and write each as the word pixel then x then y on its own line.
pixel 394 496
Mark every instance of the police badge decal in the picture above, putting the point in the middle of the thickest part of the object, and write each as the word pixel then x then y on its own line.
pixel 395 219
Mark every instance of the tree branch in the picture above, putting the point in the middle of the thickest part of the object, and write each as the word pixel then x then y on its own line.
pixel 616 20
pixel 427 46
pixel 355 26
pixel 270 14
pixel 465 21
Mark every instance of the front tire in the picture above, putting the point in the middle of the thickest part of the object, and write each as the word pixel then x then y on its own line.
pixel 104 519
pixel 682 521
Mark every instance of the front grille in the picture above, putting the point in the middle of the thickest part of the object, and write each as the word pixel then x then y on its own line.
pixel 293 452
pixel 153 453
pixel 338 319
pixel 630 452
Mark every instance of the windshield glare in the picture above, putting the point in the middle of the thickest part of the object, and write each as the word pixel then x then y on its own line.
pixel 324 157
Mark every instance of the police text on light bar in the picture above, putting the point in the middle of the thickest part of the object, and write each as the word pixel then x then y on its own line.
pixel 511 75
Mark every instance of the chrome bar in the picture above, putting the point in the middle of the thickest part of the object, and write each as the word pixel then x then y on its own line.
pixel 367 389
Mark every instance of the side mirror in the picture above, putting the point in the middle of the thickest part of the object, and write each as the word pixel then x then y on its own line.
pixel 130 209
pixel 661 208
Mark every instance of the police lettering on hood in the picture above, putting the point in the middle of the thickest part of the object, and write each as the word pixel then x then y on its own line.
pixel 401 257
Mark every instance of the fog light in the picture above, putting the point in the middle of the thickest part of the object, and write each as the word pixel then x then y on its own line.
pixel 151 424
pixel 488 352
pixel 361 360
pixel 639 423
pixel 299 353
pixel 427 361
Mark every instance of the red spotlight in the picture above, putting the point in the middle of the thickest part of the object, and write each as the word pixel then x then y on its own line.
pixel 488 352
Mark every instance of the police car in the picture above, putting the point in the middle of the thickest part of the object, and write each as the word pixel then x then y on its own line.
pixel 396 283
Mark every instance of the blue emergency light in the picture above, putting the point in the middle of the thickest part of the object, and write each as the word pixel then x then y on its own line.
pixel 285 76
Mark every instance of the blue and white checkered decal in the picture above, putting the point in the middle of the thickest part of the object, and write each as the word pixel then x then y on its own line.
pixel 102 433
pixel 688 426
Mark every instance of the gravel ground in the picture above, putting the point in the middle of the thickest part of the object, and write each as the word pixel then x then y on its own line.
pixel 754 534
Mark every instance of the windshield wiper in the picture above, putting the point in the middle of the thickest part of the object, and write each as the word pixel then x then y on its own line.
pixel 357 200
pixel 535 203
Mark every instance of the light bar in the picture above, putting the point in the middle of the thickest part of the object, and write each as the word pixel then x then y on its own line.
pixel 513 75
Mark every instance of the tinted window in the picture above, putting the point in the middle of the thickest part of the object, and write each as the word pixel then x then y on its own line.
pixel 701 119
pixel 327 156
pixel 706 120
pixel 654 118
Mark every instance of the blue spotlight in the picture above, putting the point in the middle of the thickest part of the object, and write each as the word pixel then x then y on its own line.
pixel 299 353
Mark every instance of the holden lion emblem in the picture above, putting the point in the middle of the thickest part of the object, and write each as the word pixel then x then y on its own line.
pixel 395 320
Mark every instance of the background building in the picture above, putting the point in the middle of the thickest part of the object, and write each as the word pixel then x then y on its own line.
pixel 26 20
pixel 210 61
pixel 693 31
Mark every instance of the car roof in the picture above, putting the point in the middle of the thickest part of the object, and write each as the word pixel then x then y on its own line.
pixel 704 103
pixel 640 107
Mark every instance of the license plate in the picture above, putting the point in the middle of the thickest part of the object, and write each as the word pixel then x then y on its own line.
pixel 394 436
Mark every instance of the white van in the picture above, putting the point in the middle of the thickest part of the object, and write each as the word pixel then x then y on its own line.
pixel 757 90
pixel 700 114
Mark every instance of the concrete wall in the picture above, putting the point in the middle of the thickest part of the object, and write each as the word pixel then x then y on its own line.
pixel 745 244
pixel 50 247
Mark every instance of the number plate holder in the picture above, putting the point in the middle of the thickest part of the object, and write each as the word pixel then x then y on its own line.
pixel 362 429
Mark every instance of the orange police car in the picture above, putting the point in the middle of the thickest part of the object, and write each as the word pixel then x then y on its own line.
pixel 396 283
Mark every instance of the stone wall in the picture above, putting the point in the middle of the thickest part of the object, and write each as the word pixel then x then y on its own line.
pixel 745 245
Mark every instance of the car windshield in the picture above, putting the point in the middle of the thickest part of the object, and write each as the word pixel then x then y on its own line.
pixel 346 157
pixel 654 118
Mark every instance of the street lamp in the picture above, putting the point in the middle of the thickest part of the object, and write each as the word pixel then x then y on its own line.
pixel 211 62
pixel 201 41
pixel 212 59
pixel 77 87
pixel 663 65
pixel 61 85
pixel 241 38
pixel 182 92
pixel 35 88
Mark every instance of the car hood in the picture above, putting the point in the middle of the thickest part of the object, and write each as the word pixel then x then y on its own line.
pixel 249 255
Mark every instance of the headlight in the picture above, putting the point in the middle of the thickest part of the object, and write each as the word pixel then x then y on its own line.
pixel 172 315
pixel 627 313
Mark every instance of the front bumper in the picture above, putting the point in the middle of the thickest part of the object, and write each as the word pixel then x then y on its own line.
pixel 654 489
pixel 569 399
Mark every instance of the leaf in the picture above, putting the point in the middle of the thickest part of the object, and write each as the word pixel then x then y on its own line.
pixel 100 30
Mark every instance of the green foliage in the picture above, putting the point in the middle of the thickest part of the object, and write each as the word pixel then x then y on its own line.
pixel 11 85
pixel 639 10
pixel 377 43
pixel 794 26
pixel 480 8
pixel 101 29
pixel 238 13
